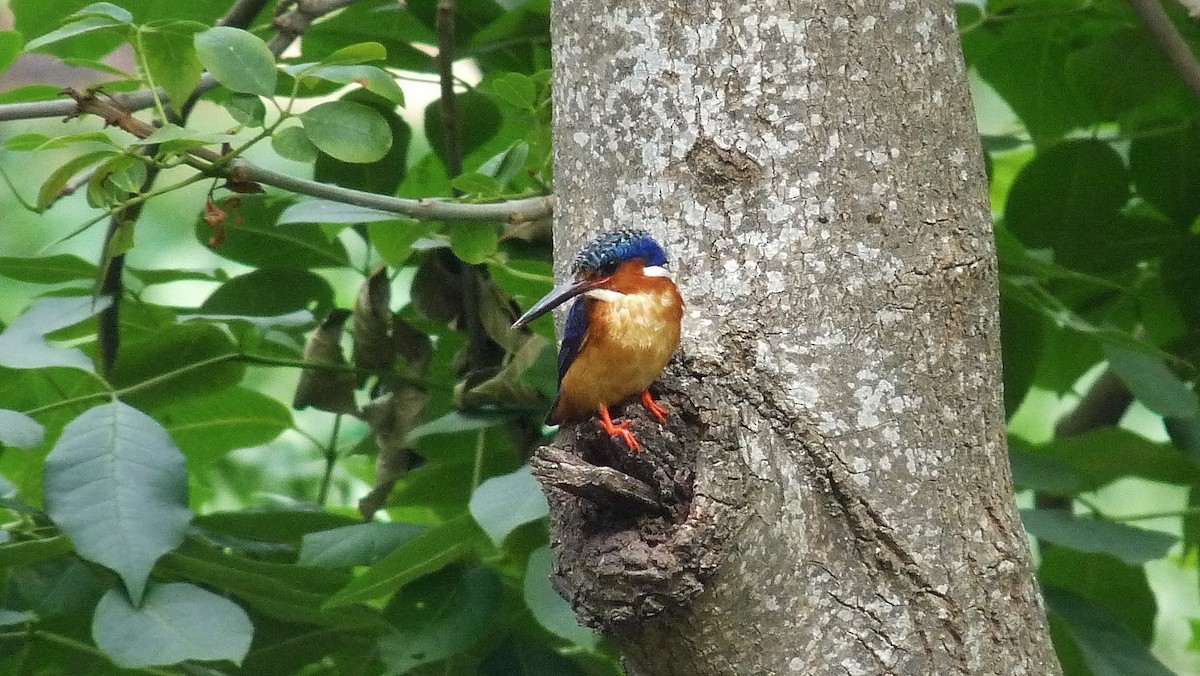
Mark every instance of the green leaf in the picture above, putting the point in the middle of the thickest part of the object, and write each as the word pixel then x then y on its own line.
pixel 176 622
pixel 374 80
pixel 53 186
pixel 1068 199
pixel 176 350
pixel 247 109
pixel 507 165
pixel 361 52
pixel 394 239
pixel 105 9
pixel 473 243
pixel 428 552
pixel 382 177
pixel 30 552
pixel 26 142
pixel 1104 456
pixel 548 608
pixel 1153 383
pixel 502 503
pixel 1025 64
pixel 443 615
pixel 456 422
pixel 255 240
pixel 49 270
pixel 350 132
pixel 516 89
pixel 475 183
pixel 208 427
pixel 238 60
pixel 273 525
pixel 292 143
pixel 117 486
pixel 1109 648
pixel 88 24
pixel 1132 545
pixel 479 117
pixel 269 292
pixel 11 617
pixel 1040 472
pixel 1166 169
pixel 169 54
pixel 23 344
pixel 10 48
pixel 1104 580
pixel 20 431
pixel 181 138
pixel 358 545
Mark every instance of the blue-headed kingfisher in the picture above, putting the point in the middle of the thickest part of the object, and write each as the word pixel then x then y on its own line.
pixel 620 333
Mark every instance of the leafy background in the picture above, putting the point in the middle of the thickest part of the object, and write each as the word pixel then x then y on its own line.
pixel 198 507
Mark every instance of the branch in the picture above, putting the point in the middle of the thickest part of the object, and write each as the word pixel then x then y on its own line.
pixel 239 170
pixel 1171 42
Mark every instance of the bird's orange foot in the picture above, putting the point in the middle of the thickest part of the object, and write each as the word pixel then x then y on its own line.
pixel 621 431
pixel 652 406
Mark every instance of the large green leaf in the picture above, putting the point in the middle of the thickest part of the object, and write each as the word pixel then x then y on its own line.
pixel 443 614
pixel 1103 580
pixel 208 427
pixel 381 176
pixel 346 131
pixel 1109 648
pixel 428 552
pixel 1166 170
pixel 1024 61
pixel 270 292
pixel 1068 200
pixel 19 430
pixel 1104 456
pixel 275 525
pixel 548 608
pixel 23 343
pixel 117 486
pixel 49 270
pixel 1132 545
pixel 1153 383
pixel 358 545
pixel 175 622
pixel 253 238
pixel 237 59
pixel 175 363
pixel 502 503
pixel 167 50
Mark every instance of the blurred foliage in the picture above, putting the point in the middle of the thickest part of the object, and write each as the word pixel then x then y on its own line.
pixel 204 525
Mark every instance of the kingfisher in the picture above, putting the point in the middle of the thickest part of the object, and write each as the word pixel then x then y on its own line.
pixel 621 330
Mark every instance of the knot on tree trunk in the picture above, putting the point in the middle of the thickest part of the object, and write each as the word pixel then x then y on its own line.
pixel 631 540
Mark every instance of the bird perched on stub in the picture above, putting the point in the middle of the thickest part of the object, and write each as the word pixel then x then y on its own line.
pixel 620 333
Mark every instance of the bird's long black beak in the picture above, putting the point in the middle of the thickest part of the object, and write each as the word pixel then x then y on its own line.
pixel 559 295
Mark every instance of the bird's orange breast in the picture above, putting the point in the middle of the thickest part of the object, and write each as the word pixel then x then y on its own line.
pixel 633 330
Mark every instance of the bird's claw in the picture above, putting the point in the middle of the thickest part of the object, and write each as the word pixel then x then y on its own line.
pixel 654 408
pixel 622 431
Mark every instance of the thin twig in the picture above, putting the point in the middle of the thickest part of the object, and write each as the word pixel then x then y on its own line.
pixel 446 10
pixel 1171 42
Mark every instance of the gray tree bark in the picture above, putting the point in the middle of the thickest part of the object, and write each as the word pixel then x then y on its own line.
pixel 832 493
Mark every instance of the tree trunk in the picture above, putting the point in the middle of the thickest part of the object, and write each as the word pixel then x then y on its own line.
pixel 832 493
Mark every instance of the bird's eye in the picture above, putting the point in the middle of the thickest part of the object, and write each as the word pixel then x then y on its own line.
pixel 609 269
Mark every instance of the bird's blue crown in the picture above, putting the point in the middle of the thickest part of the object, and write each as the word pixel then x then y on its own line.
pixel 609 250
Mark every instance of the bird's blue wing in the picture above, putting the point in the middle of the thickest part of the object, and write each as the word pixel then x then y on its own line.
pixel 573 333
